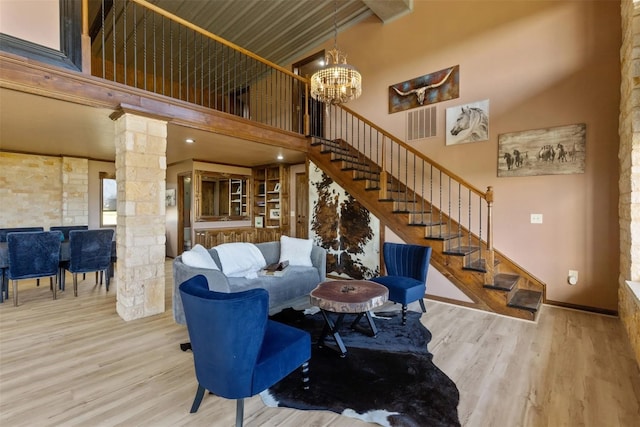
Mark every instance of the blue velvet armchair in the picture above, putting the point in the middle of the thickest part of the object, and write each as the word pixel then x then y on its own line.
pixel 33 255
pixel 238 352
pixel 407 267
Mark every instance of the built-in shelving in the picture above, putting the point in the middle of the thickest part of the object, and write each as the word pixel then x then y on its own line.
pixel 271 200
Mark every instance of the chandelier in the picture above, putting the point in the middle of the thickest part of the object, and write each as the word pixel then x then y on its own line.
pixel 337 82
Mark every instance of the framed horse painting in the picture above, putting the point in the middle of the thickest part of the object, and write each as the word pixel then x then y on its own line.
pixel 468 123
pixel 551 151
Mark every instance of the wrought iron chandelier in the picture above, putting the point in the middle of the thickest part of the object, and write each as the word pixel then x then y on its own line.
pixel 337 82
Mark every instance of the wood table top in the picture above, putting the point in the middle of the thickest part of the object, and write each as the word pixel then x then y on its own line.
pixel 348 296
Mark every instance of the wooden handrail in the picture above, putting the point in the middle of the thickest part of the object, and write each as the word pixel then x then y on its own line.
pixel 219 39
pixel 416 152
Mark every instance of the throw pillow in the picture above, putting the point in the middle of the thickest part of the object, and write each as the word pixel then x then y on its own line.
pixel 199 257
pixel 240 259
pixel 296 251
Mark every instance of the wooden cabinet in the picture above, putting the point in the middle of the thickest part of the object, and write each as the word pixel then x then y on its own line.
pixel 210 237
pixel 271 197
pixel 221 197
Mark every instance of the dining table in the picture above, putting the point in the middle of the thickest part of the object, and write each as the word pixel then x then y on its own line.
pixel 65 255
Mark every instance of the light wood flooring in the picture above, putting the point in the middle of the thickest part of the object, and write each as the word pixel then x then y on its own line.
pixel 75 362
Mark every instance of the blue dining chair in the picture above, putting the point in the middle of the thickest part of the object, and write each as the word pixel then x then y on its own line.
pixel 4 280
pixel 65 229
pixel 33 255
pixel 407 267
pixel 237 351
pixel 89 251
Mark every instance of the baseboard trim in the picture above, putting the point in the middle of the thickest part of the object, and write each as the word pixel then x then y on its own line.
pixel 452 301
pixel 582 307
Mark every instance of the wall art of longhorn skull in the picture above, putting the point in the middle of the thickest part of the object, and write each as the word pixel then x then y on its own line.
pixel 428 89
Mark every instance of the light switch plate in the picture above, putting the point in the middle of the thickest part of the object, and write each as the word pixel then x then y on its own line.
pixel 536 218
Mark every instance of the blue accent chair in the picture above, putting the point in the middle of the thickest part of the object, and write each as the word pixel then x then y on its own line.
pixel 4 280
pixel 33 255
pixel 407 267
pixel 89 250
pixel 237 351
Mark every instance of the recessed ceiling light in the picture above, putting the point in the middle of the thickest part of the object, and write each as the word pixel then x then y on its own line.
pixel 280 157
pixel 189 140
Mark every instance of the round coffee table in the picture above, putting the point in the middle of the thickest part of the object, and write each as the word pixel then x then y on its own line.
pixel 344 297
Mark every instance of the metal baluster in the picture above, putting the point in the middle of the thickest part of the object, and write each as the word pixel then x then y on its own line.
pixel 135 46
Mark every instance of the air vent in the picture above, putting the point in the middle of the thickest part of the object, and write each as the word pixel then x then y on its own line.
pixel 421 123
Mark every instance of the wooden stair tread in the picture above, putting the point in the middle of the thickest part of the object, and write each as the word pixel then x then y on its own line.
pixel 478 265
pixel 526 299
pixel 445 236
pixel 503 282
pixel 461 250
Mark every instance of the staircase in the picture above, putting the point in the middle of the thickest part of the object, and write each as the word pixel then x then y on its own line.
pixel 398 185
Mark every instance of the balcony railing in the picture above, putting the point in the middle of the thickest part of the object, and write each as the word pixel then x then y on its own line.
pixel 140 45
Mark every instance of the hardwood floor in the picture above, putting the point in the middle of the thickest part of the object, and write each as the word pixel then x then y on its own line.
pixel 75 362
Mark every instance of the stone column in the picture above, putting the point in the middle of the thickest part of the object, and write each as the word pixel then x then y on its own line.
pixel 629 183
pixel 141 167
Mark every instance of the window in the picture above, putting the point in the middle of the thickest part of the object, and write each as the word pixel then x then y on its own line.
pixel 109 200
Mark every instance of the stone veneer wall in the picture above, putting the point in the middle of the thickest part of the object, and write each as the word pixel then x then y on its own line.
pixel 140 174
pixel 629 184
pixel 43 190
pixel 75 191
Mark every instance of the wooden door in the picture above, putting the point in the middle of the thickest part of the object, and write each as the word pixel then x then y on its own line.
pixel 302 206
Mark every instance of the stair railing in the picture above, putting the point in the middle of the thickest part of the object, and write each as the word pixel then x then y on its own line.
pixel 449 207
pixel 135 43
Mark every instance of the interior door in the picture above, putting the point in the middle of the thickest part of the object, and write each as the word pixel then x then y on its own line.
pixel 302 206
pixel 184 213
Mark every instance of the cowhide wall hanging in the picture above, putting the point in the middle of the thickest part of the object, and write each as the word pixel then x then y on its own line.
pixel 345 228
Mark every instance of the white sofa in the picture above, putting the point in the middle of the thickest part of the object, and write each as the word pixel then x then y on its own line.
pixel 296 281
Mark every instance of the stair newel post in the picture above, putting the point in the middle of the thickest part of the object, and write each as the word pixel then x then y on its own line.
pixel 490 259
pixel 382 194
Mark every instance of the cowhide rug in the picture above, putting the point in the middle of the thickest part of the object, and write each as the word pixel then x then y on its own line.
pixel 389 380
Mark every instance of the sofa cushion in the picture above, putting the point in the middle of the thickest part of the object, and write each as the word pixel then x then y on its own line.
pixel 296 251
pixel 199 257
pixel 295 282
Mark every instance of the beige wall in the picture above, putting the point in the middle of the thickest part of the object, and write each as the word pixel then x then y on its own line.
pixel 37 21
pixel 541 64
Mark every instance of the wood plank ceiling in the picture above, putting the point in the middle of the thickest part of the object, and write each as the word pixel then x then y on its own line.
pixel 281 30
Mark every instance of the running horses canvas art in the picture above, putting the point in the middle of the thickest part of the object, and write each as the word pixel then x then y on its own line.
pixel 468 123
pixel 554 151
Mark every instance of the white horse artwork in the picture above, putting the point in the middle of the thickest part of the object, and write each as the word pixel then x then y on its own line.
pixel 468 123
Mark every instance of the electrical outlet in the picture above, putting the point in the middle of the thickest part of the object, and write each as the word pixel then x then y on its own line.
pixel 536 218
